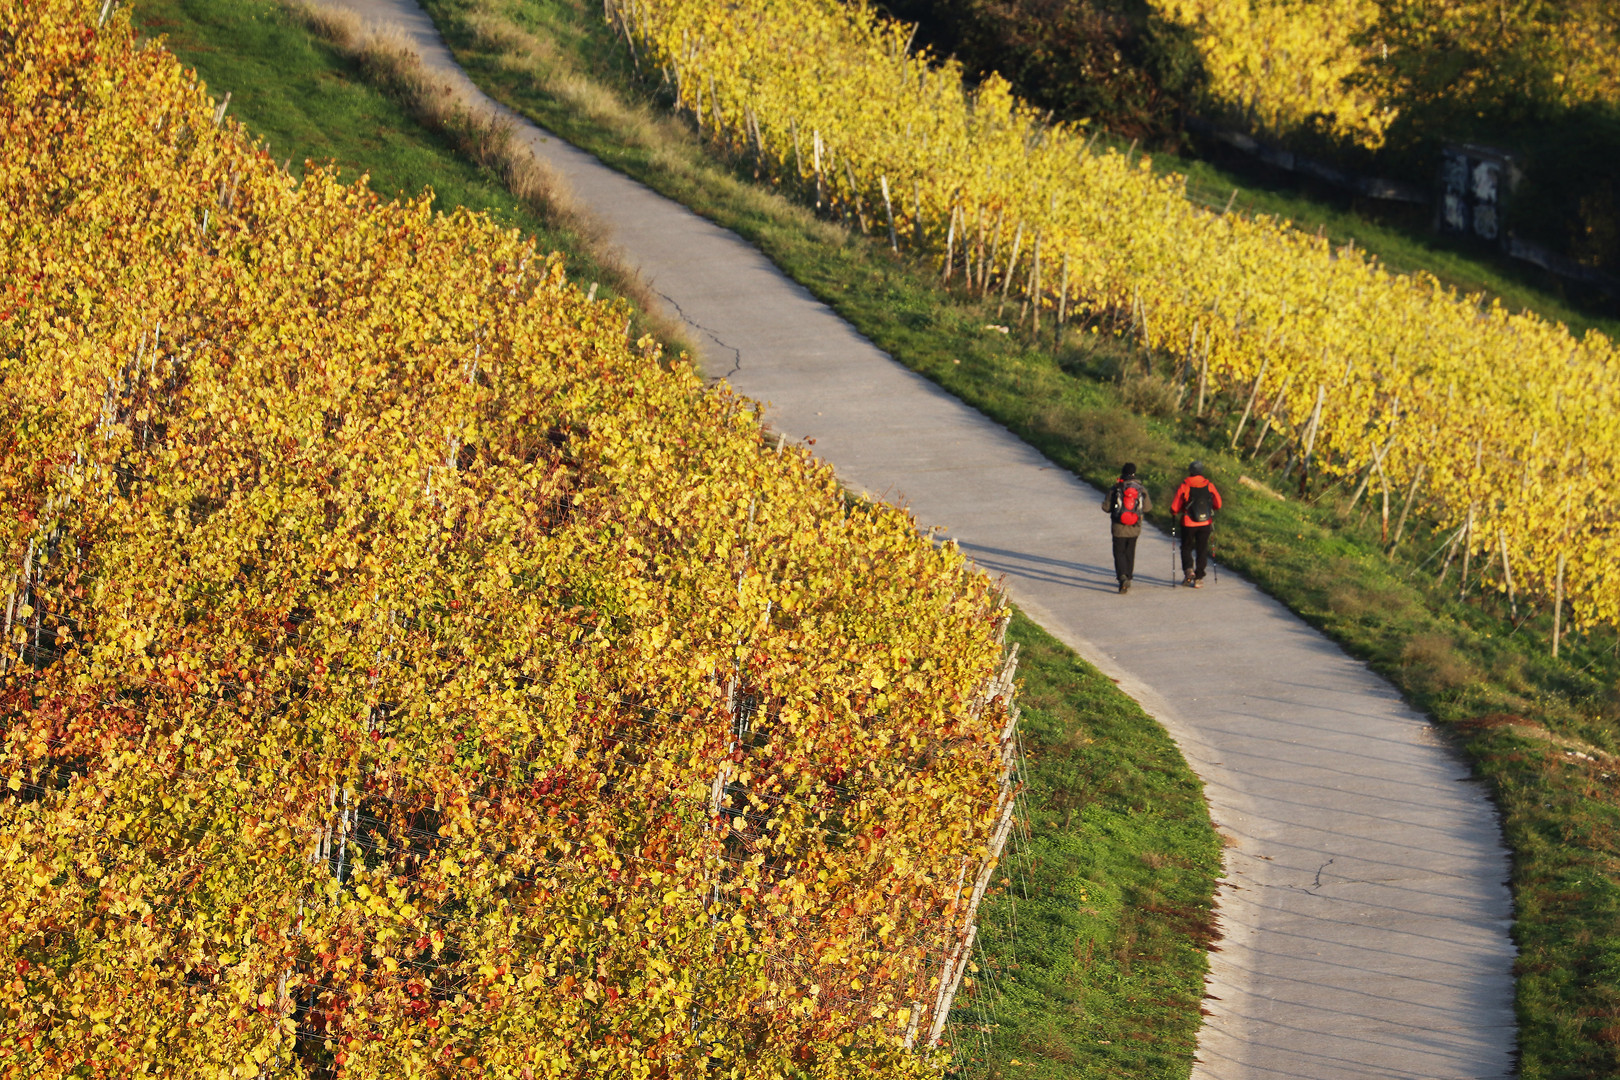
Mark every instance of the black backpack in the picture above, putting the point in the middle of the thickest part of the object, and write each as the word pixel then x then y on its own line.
pixel 1200 504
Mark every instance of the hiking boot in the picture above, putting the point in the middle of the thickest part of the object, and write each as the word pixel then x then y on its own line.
pixel 1197 583
pixel 1190 580
pixel 1124 586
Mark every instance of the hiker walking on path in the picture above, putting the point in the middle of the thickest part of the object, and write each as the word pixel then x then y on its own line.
pixel 1127 501
pixel 1194 508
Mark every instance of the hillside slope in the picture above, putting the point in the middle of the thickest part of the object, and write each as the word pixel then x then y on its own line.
pixel 406 672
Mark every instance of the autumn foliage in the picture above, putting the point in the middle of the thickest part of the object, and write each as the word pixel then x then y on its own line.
pixel 407 675
pixel 1500 428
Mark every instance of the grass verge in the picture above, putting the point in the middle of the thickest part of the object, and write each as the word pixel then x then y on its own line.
pixel 1094 952
pixel 1088 402
pixel 1094 959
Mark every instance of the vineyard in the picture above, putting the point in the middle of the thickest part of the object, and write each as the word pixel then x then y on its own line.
pixel 1349 70
pixel 1281 66
pixel 406 674
pixel 1502 429
pixel 1284 66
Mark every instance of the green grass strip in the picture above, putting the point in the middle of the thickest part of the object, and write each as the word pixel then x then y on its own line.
pixel 1095 948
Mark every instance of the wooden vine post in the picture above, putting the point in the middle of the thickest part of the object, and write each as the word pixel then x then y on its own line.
pixel 1184 369
pixel 820 189
pixel 855 196
pixel 1007 274
pixel 888 210
pixel 19 599
pixel 966 931
pixel 1203 369
pixel 976 245
pixel 1468 527
pixel 1063 295
pixel 1376 465
pixel 1383 512
pixel 1507 575
pixel 1035 291
pixel 630 39
pixel 1248 406
pixel 717 790
pixel 753 136
pixel 985 268
pixel 1467 550
pixel 1558 605
pixel 1406 507
pixel 1310 438
pixel 715 115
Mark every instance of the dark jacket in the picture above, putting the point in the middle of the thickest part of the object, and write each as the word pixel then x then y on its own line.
pixel 1184 493
pixel 1110 503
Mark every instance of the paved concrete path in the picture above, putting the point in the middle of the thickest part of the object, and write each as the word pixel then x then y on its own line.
pixel 1365 908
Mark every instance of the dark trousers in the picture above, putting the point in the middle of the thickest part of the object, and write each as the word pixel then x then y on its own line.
pixel 1195 549
pixel 1124 557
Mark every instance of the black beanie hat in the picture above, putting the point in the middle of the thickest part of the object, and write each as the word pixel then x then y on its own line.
pixel 1196 469
pixel 1127 471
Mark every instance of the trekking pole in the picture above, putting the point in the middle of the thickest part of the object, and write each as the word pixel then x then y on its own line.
pixel 1173 581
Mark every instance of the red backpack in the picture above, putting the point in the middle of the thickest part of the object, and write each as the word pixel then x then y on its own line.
pixel 1127 499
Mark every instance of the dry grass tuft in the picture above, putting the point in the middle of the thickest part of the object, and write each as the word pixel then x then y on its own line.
pixel 1145 392
pixel 1434 664
pixel 336 25
pixel 537 59
pixel 1099 434
pixel 1352 599
pixel 1049 1047
pixel 491 136
pixel 1488 721
pixel 491 33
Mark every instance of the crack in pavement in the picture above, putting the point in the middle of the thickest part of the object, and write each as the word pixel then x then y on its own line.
pixel 736 353
pixel 1317 884
pixel 1311 888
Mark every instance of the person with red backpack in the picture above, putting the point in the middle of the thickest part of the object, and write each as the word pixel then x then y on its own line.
pixel 1193 510
pixel 1126 503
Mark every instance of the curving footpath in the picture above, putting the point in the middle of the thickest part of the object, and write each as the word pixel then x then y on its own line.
pixel 1365 907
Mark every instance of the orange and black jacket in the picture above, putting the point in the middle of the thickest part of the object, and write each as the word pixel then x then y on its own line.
pixel 1184 493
